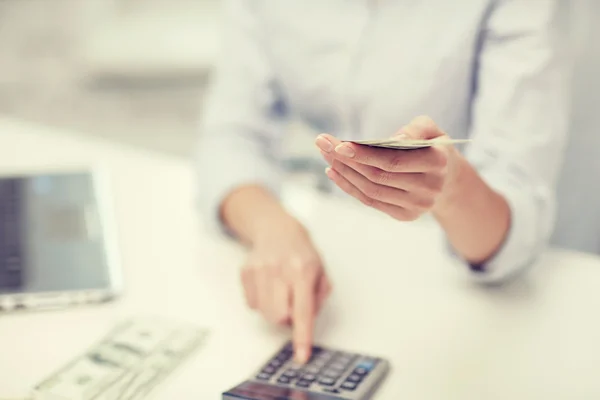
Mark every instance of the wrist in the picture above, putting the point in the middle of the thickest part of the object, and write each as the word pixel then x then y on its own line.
pixel 254 214
pixel 460 173
pixel 276 227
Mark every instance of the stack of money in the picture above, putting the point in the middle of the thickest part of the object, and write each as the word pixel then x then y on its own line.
pixel 127 364
pixel 408 144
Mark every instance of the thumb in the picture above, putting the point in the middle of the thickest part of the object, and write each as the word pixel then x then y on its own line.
pixel 420 128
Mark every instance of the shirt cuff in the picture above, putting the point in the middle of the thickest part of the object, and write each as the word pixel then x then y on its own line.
pixel 528 233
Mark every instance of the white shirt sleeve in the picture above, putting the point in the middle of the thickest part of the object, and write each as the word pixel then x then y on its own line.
pixel 519 122
pixel 241 125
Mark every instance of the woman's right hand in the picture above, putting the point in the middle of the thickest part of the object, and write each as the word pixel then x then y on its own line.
pixel 284 280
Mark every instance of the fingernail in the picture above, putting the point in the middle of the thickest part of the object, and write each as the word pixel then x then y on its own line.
pixel 324 144
pixel 345 150
pixel 329 172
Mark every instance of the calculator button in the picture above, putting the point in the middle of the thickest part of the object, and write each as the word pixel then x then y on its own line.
pixel 360 371
pixel 275 363
pixel 303 383
pixel 337 367
pixel 269 370
pixel 325 356
pixel 284 379
pixel 283 356
pixel 327 381
pixel 354 378
pixel 263 376
pixel 309 377
pixel 332 374
pixel 348 385
pixel 345 358
pixel 312 370
pixel 316 367
pixel 290 373
pixel 367 363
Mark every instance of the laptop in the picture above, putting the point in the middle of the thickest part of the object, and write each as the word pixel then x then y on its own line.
pixel 58 241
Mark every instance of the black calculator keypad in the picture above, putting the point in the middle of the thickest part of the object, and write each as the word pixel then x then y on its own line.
pixel 312 369
pixel 269 370
pixel 263 376
pixel 329 371
pixel 290 373
pixel 327 381
pixel 309 377
pixel 349 385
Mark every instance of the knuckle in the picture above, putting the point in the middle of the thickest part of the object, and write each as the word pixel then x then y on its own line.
pixel 373 191
pixel 251 304
pixel 424 203
pixel 272 268
pixel 367 201
pixel 245 274
pixel 424 122
pixel 422 119
pixel 379 176
pixel 328 287
pixel 394 163
pixel 436 184
pixel 250 270
pixel 311 268
pixel 282 319
pixel 411 216
pixel 406 215
pixel 431 186
pixel 439 159
pixel 306 268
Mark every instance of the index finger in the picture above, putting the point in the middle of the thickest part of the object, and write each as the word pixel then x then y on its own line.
pixel 303 315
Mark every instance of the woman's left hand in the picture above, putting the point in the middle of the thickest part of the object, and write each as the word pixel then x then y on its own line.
pixel 401 183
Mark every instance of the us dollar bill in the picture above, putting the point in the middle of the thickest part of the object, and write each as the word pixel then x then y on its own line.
pixel 128 363
pixel 409 144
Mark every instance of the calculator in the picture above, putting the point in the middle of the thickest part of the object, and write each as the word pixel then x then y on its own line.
pixel 329 375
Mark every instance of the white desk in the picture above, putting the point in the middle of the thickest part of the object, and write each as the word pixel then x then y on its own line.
pixel 446 338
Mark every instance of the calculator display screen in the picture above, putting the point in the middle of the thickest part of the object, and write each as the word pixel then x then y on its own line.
pixel 260 391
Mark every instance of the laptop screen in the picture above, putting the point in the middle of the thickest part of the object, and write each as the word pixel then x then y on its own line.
pixel 51 235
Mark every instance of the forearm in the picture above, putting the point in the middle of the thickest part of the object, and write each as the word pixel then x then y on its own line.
pixel 251 210
pixel 475 218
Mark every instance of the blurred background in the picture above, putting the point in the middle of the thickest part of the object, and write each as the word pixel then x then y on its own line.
pixel 136 71
pixel 127 70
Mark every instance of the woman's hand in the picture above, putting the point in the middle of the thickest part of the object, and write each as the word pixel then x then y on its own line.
pixel 401 183
pixel 285 281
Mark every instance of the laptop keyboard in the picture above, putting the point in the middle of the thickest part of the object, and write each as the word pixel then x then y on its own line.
pixel 11 251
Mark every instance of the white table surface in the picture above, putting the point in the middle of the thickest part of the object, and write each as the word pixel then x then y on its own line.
pixel 396 294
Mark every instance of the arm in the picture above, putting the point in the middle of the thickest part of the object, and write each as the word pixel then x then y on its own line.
pixel 499 218
pixel 283 277
pixel 248 210
pixel 241 131
pixel 476 219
